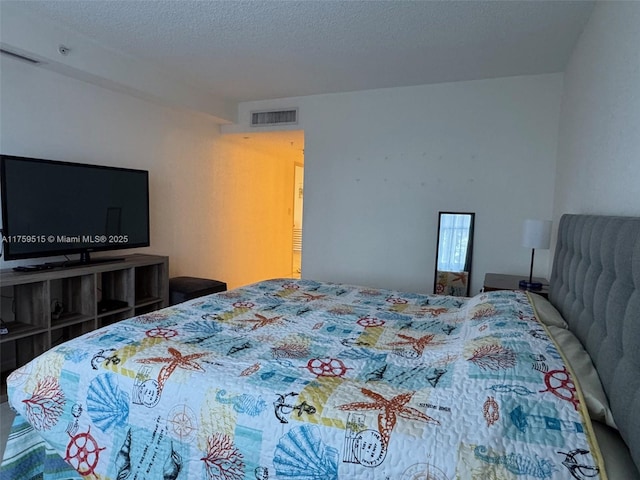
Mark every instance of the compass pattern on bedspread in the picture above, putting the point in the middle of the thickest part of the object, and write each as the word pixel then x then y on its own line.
pixel 296 379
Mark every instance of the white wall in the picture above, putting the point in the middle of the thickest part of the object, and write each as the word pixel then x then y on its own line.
pixel 380 164
pixel 599 141
pixel 196 217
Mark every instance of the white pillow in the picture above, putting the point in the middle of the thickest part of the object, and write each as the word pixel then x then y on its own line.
pixel 546 312
pixel 577 358
pixel 615 453
pixel 586 375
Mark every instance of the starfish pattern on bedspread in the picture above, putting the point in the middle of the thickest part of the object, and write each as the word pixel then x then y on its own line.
pixel 391 409
pixel 174 361
pixel 262 321
pixel 418 344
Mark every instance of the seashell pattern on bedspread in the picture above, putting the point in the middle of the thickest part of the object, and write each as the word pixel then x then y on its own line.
pixel 297 379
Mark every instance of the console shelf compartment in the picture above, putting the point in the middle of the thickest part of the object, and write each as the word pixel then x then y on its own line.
pixel 44 308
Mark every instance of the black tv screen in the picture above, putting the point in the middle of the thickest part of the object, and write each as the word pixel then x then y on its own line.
pixel 59 208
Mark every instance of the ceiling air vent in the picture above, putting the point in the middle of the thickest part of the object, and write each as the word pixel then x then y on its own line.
pixel 18 56
pixel 274 117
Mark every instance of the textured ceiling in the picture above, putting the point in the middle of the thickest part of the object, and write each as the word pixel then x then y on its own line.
pixel 252 50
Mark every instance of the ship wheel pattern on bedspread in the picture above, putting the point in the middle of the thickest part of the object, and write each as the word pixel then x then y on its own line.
pixel 83 453
pixel 559 383
pixel 327 367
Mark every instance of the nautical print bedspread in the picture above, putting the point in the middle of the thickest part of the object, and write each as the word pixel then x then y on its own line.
pixel 296 379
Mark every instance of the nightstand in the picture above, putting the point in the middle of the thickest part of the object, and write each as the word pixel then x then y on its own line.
pixel 499 281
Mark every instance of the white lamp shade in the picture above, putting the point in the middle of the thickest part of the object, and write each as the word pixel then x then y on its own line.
pixel 536 234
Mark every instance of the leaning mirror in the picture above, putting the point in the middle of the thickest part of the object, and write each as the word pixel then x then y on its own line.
pixel 453 253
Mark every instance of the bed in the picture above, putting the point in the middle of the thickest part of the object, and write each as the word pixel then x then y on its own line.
pixel 298 379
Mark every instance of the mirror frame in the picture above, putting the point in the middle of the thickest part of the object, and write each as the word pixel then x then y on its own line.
pixel 470 247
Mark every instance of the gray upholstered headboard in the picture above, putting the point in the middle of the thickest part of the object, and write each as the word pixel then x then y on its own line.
pixel 595 284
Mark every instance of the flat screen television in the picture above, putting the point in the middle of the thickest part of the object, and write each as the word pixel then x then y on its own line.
pixel 59 208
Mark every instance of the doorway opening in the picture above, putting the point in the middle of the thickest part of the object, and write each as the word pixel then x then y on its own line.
pixel 298 201
pixel 257 191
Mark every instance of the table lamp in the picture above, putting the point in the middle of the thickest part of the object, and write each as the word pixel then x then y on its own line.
pixel 535 234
